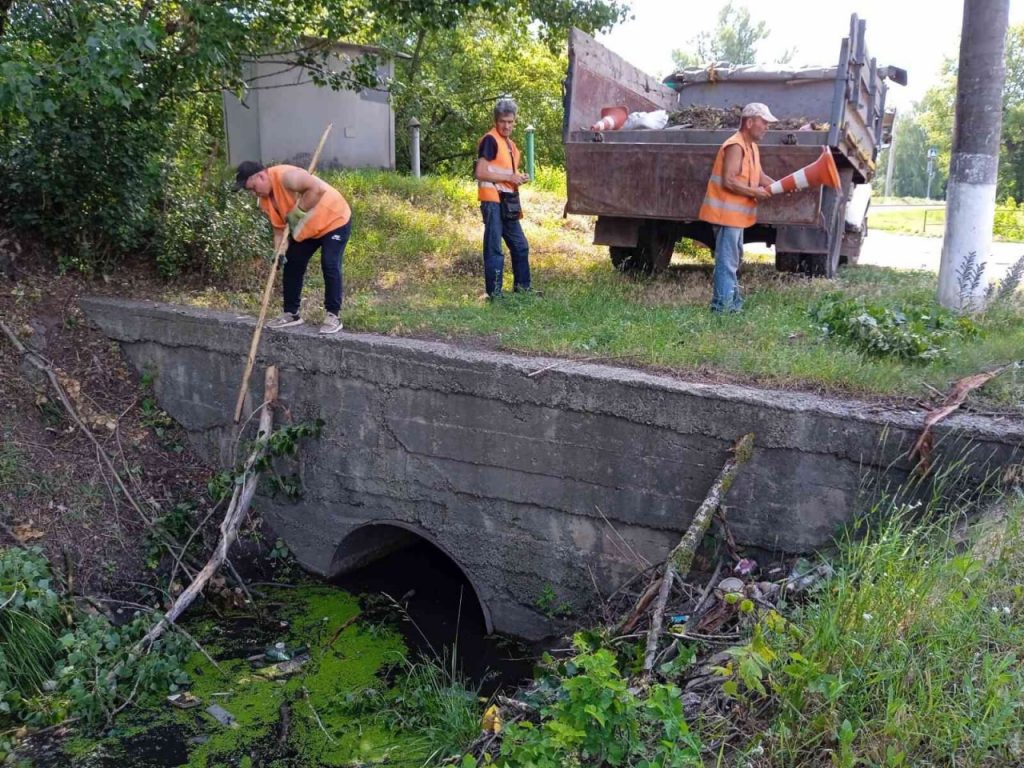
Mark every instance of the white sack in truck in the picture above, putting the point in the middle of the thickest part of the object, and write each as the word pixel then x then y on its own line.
pixel 655 120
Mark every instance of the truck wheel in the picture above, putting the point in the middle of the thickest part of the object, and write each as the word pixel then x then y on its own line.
pixel 629 260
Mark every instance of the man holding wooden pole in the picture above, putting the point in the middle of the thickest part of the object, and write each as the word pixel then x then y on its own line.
pixel 319 218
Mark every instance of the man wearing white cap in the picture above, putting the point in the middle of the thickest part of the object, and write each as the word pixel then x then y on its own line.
pixel 730 203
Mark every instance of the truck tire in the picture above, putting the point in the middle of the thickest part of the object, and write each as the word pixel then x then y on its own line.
pixel 651 255
pixel 629 260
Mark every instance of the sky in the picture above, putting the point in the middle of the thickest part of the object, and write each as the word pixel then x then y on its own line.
pixel 913 34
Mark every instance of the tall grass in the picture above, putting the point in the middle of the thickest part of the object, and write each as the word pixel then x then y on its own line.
pixel 910 655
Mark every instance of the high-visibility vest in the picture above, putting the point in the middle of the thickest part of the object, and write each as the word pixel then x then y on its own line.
pixel 507 159
pixel 330 213
pixel 722 206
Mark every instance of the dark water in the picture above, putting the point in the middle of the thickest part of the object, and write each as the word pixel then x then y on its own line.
pixel 439 617
pixel 443 614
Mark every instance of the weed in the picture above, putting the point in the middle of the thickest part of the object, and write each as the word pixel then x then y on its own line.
pixel 912 333
pixel 593 718
pixel 549 604
pixel 50 671
pixel 968 281
pixel 910 656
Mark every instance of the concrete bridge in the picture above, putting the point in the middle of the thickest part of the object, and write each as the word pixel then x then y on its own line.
pixel 558 481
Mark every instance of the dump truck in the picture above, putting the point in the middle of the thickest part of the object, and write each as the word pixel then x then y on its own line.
pixel 646 186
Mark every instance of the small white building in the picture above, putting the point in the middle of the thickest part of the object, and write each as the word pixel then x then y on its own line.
pixel 282 115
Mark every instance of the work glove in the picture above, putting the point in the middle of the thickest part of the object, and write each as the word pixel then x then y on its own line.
pixel 295 216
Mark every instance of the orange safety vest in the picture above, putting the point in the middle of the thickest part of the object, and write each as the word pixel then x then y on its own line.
pixel 722 206
pixel 507 159
pixel 330 213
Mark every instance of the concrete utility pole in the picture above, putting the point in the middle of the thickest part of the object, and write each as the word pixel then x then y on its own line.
pixel 971 192
pixel 890 162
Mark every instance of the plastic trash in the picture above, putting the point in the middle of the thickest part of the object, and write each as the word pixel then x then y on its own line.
pixel 277 653
pixel 184 700
pixel 491 722
pixel 654 121
pixel 221 715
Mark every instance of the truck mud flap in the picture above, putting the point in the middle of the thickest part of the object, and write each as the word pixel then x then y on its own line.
pixel 614 230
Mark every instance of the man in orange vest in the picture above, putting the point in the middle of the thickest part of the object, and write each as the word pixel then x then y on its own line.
pixel 498 178
pixel 318 217
pixel 730 203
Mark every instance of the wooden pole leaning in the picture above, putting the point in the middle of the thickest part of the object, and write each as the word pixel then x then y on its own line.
pixel 268 289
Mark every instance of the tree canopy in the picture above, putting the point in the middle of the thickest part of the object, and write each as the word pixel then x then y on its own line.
pixel 102 103
pixel 734 40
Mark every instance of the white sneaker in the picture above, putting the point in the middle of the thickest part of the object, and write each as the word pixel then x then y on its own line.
pixel 285 320
pixel 331 324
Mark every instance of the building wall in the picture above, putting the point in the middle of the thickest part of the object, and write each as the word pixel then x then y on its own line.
pixel 282 120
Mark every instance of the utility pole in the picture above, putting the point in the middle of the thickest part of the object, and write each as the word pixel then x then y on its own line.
pixel 932 154
pixel 890 161
pixel 973 167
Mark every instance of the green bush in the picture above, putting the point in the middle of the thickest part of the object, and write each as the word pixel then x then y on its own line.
pixel 914 333
pixel 1009 221
pixel 51 671
pixel 208 231
pixel 593 718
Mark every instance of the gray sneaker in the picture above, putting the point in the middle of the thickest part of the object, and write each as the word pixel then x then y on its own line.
pixel 331 324
pixel 285 320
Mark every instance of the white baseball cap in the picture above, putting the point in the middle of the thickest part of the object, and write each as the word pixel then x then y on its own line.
pixel 757 109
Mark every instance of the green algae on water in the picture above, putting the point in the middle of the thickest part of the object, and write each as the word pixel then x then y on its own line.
pixel 323 728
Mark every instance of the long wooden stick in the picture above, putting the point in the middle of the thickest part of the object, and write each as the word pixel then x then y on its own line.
pixel 268 289
pixel 680 558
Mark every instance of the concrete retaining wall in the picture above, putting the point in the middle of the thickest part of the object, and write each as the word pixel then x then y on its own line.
pixel 526 482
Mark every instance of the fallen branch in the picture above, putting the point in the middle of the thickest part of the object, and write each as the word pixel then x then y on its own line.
pixel 347 623
pixel 627 624
pixel 695 614
pixel 680 559
pixel 956 397
pixel 240 501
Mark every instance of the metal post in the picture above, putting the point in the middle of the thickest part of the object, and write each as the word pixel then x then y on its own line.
pixel 529 150
pixel 932 154
pixel 414 146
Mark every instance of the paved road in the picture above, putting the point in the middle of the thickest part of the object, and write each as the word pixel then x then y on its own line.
pixel 888 249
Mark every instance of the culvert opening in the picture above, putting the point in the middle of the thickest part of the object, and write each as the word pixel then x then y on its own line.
pixel 443 613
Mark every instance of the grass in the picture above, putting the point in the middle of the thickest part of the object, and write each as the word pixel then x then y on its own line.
pixel 931 221
pixel 413 268
pixel 911 655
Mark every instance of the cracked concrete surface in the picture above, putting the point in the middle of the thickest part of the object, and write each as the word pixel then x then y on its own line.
pixel 514 476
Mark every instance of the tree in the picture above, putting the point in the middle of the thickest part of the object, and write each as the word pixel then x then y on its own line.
pixel 910 175
pixel 734 40
pixel 92 93
pixel 461 73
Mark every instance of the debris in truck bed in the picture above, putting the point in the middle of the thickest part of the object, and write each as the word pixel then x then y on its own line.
pixel 712 118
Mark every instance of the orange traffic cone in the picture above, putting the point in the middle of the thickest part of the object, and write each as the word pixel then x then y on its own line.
pixel 612 119
pixel 821 172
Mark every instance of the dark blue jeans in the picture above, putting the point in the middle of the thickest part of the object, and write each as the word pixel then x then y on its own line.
pixel 332 251
pixel 496 230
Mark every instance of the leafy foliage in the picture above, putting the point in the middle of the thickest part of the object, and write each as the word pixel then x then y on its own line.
pixel 456 76
pixel 110 128
pixel 913 333
pixel 595 719
pixel 867 667
pixel 54 662
pixel 734 40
